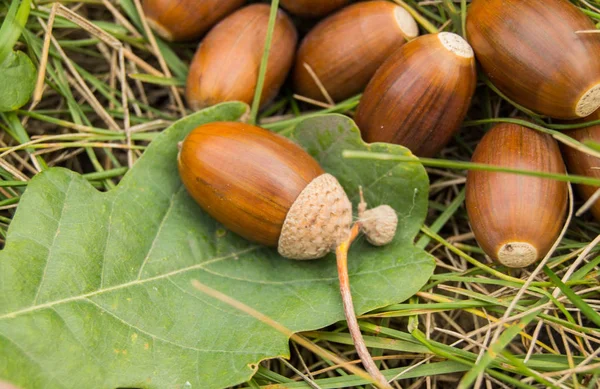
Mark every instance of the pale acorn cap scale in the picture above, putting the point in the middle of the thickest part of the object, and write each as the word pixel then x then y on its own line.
pixel 318 221
pixel 517 254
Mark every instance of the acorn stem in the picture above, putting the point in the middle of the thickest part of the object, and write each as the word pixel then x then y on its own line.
pixel 341 253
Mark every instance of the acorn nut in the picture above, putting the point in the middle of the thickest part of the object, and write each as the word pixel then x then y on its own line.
pixel 516 218
pixel 226 64
pixel 533 53
pixel 312 8
pixel 583 164
pixel 181 20
pixel 420 95
pixel 344 50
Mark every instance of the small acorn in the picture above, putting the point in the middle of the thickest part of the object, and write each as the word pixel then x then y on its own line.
pixel 267 189
pixel 182 20
pixel 226 64
pixel 345 49
pixel 583 164
pixel 516 218
pixel 312 8
pixel 420 95
pixel 532 52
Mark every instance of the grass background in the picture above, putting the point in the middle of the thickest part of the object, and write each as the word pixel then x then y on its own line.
pixel 108 86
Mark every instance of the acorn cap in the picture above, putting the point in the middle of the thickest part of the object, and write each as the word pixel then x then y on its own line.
pixel 318 220
pixel 379 224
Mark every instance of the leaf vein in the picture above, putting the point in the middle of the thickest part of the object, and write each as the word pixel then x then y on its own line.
pixel 159 230
pixel 52 245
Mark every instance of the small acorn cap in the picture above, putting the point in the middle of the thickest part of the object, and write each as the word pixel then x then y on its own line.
pixel 379 224
pixel 318 220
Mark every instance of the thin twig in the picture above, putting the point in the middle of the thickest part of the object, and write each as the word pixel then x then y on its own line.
pixel 341 253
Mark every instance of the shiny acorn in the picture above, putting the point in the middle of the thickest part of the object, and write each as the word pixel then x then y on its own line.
pixel 345 49
pixel 292 205
pixel 420 95
pixel 312 8
pixel 267 189
pixel 182 20
pixel 583 164
pixel 532 52
pixel 226 64
pixel 516 218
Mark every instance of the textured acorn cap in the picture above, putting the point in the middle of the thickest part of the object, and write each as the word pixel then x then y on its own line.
pixel 318 220
pixel 517 254
pixel 379 224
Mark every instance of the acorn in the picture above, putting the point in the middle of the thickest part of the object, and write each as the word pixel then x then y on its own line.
pixel 345 49
pixel 420 95
pixel 532 52
pixel 516 218
pixel 583 164
pixel 312 8
pixel 182 20
pixel 267 189
pixel 226 64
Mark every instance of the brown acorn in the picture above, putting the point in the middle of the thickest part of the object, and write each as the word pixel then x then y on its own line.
pixel 312 8
pixel 532 52
pixel 583 164
pixel 420 95
pixel 181 20
pixel 516 218
pixel 227 62
pixel 265 188
pixel 345 49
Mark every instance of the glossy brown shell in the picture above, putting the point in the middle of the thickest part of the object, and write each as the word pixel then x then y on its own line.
pixel 583 164
pixel 420 95
pixel 181 20
pixel 345 49
pixel 506 208
pixel 312 8
pixel 245 177
pixel 226 64
pixel 530 50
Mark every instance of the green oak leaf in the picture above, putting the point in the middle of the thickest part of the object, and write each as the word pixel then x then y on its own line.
pixel 95 288
pixel 17 77
pixel 403 186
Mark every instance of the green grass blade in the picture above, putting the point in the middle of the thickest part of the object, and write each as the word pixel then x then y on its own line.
pixel 13 26
pixel 262 71
pixel 588 311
